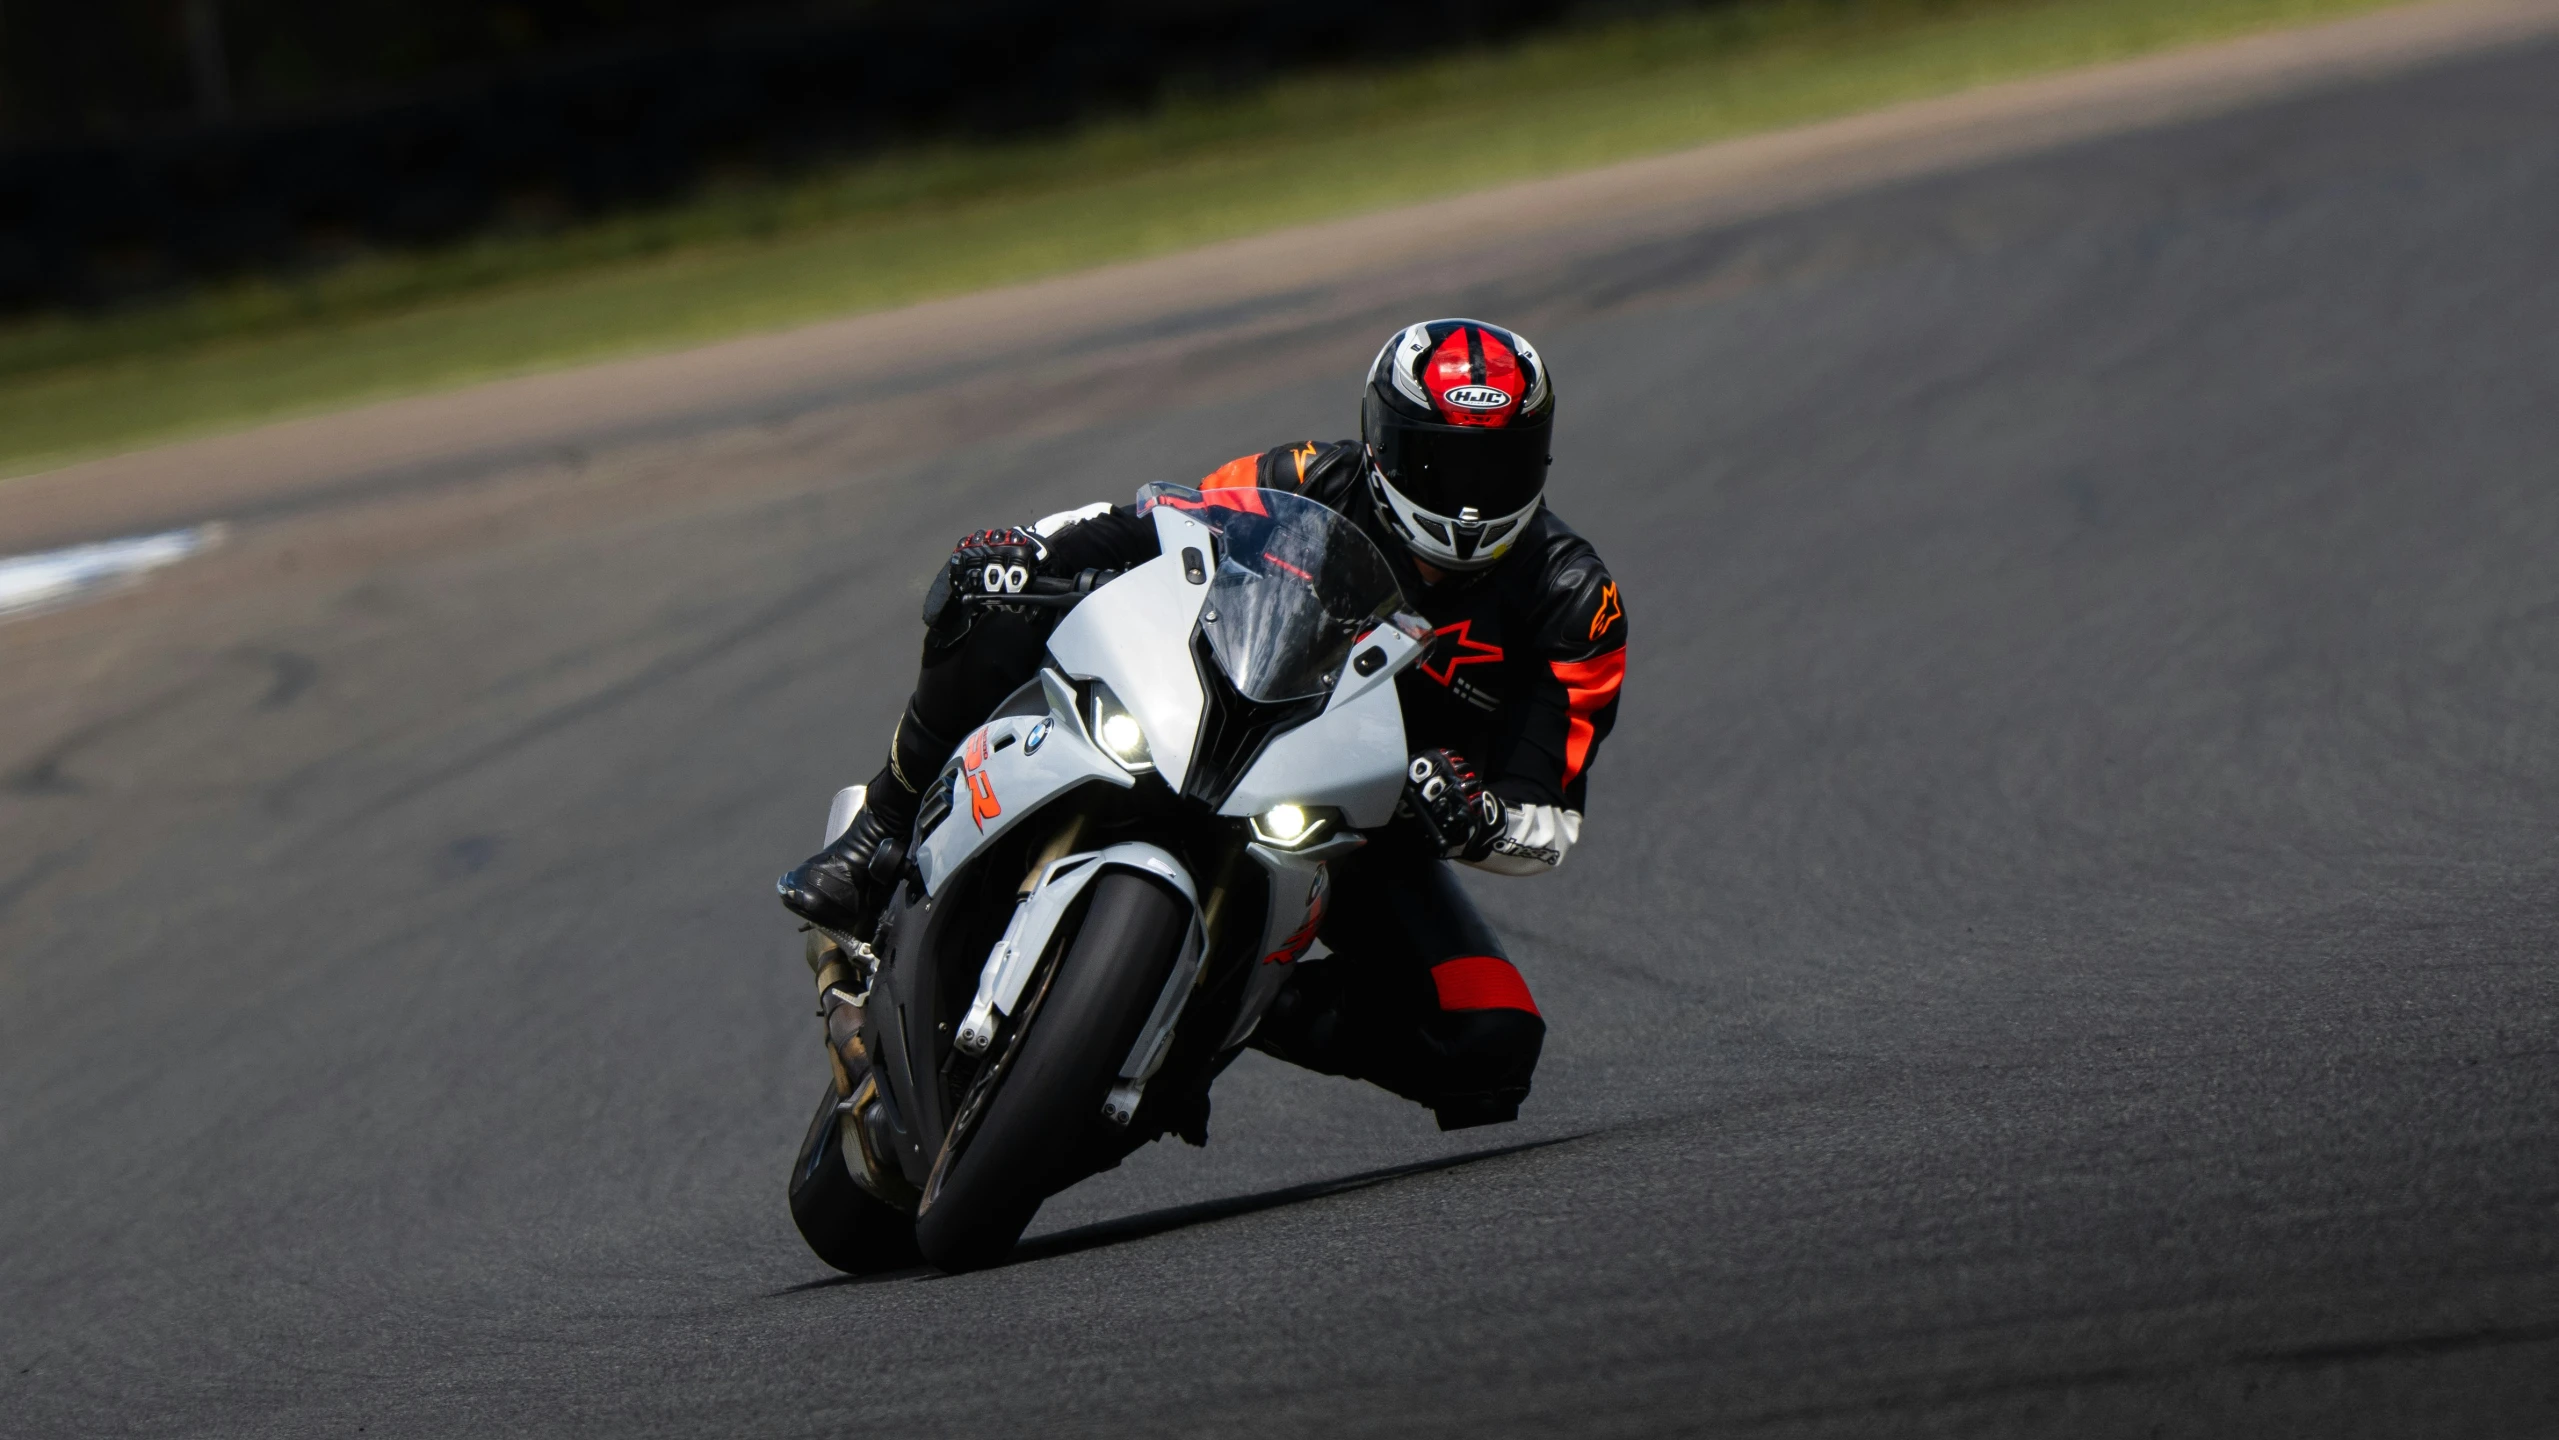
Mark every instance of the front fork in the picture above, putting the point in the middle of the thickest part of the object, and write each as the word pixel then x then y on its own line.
pixel 1155 1039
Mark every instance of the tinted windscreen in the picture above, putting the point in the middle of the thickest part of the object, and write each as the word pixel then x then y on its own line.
pixel 1295 584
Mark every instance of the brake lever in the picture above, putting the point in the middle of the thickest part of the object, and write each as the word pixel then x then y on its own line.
pixel 1037 602
pixel 1044 592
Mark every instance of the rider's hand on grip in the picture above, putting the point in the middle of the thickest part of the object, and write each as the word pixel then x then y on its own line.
pixel 1445 796
pixel 996 563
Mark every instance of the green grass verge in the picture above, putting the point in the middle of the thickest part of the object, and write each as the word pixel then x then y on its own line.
pixel 939 221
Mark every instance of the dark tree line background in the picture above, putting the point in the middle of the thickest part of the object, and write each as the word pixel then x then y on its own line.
pixel 87 68
pixel 148 144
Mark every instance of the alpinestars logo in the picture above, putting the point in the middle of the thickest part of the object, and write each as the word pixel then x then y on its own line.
pixel 1609 611
pixel 1542 854
pixel 1467 651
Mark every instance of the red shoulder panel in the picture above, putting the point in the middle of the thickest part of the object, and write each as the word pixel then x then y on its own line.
pixel 1236 484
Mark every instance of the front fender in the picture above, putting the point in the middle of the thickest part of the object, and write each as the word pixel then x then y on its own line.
pixel 1033 928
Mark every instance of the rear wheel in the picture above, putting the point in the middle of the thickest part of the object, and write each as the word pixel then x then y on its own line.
pixel 1047 1101
pixel 847 1226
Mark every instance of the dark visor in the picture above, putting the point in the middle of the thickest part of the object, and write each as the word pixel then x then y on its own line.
pixel 1446 468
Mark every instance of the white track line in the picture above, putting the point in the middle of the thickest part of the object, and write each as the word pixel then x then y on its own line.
pixel 50 579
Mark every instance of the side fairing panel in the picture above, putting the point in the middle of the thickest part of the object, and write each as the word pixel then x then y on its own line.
pixel 1134 635
pixel 840 812
pixel 1400 643
pixel 1299 888
pixel 1007 769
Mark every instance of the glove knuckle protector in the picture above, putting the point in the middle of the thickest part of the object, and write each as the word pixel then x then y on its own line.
pixel 1446 798
pixel 995 562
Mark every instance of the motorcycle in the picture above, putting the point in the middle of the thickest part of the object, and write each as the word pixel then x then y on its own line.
pixel 1110 881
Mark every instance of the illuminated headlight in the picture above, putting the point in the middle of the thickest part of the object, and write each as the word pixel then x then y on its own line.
pixel 1118 732
pixel 1288 826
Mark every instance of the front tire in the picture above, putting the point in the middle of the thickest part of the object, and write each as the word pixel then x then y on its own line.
pixel 1049 1100
pixel 845 1225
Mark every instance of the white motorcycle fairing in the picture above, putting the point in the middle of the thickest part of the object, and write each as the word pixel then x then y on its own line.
pixel 1004 821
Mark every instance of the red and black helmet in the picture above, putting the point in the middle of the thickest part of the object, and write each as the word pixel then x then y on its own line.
pixel 1456 417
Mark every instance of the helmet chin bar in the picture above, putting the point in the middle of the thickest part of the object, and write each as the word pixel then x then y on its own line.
pixel 1447 542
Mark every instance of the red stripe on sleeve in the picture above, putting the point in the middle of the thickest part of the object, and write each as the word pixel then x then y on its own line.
pixel 1588 687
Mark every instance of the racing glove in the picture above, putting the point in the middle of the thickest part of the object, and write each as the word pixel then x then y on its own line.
pixel 1443 794
pixel 996 562
pixel 985 563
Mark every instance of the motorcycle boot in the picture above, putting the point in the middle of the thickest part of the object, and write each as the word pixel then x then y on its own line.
pixel 845 886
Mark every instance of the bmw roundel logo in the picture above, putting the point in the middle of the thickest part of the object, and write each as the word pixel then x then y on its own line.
pixel 1031 742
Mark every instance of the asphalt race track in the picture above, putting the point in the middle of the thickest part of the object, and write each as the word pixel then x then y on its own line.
pixel 2064 942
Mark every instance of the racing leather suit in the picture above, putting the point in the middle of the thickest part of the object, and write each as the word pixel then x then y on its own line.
pixel 1418 995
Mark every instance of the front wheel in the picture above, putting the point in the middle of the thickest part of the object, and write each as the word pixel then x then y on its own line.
pixel 1048 1099
pixel 845 1225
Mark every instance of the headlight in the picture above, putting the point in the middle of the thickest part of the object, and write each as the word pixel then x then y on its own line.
pixel 1290 826
pixel 1118 732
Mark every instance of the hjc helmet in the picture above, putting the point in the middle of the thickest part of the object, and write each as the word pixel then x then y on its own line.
pixel 1456 418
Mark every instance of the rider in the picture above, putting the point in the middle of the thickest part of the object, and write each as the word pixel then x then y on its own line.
pixel 1504 715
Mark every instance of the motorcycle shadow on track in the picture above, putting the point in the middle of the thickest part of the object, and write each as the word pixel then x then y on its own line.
pixel 1103 1234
